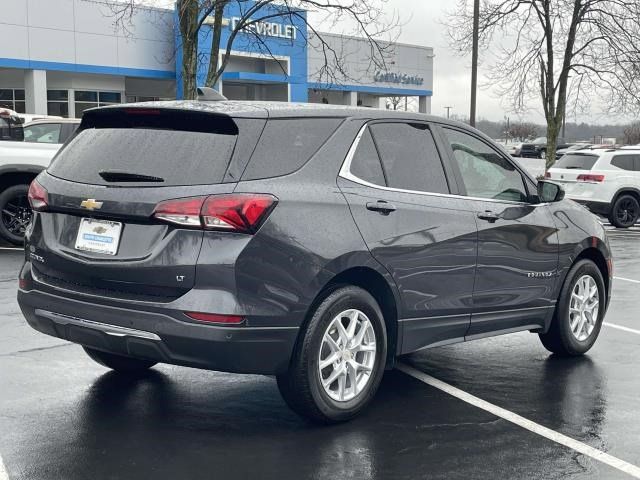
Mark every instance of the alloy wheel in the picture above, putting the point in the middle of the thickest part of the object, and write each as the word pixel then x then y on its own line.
pixel 16 215
pixel 626 212
pixel 584 307
pixel 347 355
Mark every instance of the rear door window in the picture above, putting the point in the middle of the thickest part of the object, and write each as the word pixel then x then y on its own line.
pixel 179 149
pixel 577 161
pixel 287 144
pixel 43 133
pixel 410 159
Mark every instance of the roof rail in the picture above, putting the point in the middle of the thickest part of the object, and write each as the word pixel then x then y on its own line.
pixel 208 94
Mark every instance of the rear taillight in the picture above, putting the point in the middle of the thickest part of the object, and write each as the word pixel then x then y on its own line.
pixel 238 212
pixel 547 174
pixel 38 196
pixel 215 318
pixel 183 211
pixel 589 177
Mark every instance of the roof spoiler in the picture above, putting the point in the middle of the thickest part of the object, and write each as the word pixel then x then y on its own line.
pixel 208 94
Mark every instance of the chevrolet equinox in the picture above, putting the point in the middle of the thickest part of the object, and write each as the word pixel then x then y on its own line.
pixel 313 243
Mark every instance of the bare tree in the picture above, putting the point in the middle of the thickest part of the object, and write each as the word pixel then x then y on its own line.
pixel 522 130
pixel 559 51
pixel 632 134
pixel 367 18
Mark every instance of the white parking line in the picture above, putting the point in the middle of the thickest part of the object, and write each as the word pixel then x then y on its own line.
pixel 626 279
pixel 15 249
pixel 3 471
pixel 620 327
pixel 516 419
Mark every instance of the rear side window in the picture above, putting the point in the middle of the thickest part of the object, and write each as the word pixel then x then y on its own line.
pixel 162 145
pixel 366 162
pixel 627 162
pixel 287 144
pixel 409 157
pixel 577 161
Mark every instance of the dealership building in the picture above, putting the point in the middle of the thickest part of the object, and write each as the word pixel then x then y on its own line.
pixel 60 57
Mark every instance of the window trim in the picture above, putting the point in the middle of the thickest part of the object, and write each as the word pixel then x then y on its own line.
pixel 345 170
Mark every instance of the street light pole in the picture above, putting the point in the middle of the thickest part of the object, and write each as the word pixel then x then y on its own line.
pixel 448 109
pixel 474 61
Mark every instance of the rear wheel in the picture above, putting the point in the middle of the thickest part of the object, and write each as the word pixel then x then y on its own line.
pixel 624 212
pixel 15 213
pixel 339 362
pixel 579 313
pixel 119 363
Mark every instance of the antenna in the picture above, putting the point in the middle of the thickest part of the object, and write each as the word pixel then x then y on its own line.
pixel 208 94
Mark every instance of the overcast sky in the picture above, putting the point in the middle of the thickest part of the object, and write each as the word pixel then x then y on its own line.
pixel 422 25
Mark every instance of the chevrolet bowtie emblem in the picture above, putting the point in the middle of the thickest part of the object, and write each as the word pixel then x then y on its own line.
pixel 91 204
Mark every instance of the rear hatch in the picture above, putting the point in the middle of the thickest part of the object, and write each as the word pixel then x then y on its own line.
pixel 574 171
pixel 98 233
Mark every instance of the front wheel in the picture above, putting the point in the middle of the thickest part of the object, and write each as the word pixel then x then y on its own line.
pixel 339 361
pixel 579 312
pixel 624 212
pixel 15 213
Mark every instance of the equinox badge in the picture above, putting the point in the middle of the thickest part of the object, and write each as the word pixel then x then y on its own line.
pixel 91 204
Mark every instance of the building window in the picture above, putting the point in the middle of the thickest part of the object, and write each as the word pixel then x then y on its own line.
pixel 139 98
pixel 87 99
pixel 12 98
pixel 58 103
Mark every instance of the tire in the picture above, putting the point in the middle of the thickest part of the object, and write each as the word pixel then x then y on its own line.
pixel 560 338
pixel 119 363
pixel 15 213
pixel 302 388
pixel 624 211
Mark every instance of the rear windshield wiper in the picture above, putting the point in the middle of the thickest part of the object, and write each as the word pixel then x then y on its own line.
pixel 117 176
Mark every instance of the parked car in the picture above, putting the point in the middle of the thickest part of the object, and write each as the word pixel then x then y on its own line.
pixel 313 243
pixel 514 149
pixel 10 125
pixel 538 148
pixel 21 159
pixel 578 146
pixel 607 181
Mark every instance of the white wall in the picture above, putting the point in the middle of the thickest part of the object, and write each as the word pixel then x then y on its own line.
pixel 84 32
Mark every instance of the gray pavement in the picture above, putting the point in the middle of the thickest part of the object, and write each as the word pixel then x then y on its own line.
pixel 64 417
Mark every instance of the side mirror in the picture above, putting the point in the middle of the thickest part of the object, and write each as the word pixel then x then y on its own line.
pixel 549 192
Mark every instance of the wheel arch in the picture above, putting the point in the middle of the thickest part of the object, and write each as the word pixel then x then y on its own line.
pixel 18 174
pixel 597 257
pixel 625 190
pixel 379 288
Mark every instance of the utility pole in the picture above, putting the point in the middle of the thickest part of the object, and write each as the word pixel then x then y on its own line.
pixel 448 109
pixel 474 61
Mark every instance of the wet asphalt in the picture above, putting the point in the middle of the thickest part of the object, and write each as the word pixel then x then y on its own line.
pixel 64 417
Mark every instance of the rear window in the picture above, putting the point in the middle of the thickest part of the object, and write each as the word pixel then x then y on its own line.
pixel 577 161
pixel 162 146
pixel 287 144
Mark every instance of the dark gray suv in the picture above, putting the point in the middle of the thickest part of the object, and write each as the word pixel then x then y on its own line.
pixel 313 243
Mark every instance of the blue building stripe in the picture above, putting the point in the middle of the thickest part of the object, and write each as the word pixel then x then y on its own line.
pixel 84 68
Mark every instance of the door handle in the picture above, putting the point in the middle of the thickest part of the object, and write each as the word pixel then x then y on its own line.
pixel 489 216
pixel 385 208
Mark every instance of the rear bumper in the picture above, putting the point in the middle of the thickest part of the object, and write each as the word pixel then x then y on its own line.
pixel 158 336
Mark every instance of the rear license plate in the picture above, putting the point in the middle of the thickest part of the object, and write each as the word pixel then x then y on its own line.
pixel 98 236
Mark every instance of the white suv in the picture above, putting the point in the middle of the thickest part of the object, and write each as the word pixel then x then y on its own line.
pixel 605 180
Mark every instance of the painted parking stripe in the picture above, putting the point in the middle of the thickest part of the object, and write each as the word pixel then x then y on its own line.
pixel 13 249
pixel 626 279
pixel 516 419
pixel 620 327
pixel 3 471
